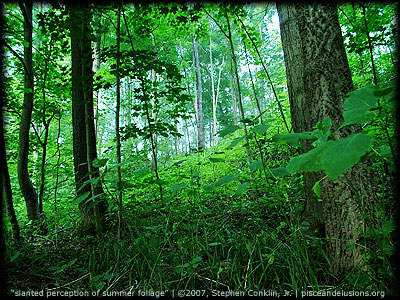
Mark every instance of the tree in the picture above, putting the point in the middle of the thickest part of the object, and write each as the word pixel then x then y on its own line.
pixel 117 113
pixel 318 78
pixel 6 191
pixel 199 99
pixel 84 137
pixel 25 183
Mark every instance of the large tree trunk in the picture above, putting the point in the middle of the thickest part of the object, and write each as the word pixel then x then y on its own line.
pixel 78 116
pixel 84 136
pixel 319 78
pixel 25 183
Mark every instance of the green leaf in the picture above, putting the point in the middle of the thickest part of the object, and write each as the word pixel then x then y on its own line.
pixel 235 142
pixel 387 227
pixel 293 138
pixel 358 106
pixel 242 187
pixel 16 257
pixel 97 163
pixel 230 129
pixel 214 244
pixel 141 171
pixel 80 198
pixel 278 172
pixel 177 187
pixel 317 189
pixel 255 165
pixel 325 125
pixel 307 162
pixel 226 179
pixel 342 154
pixel 335 157
pixel 216 159
pixel 209 188
pixel 260 129
pixel 247 121
pixel 72 262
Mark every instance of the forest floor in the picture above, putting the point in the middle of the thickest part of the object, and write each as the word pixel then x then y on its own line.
pixel 245 245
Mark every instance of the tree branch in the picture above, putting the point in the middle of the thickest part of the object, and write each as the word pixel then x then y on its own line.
pixel 19 58
pixel 24 13
pixel 266 72
pixel 215 21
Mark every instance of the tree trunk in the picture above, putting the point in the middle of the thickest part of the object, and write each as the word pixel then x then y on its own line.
pixel 214 100
pixel 78 117
pixel 153 111
pixel 318 79
pixel 96 67
pixel 25 183
pixel 199 100
pixel 258 107
pixel 117 134
pixel 235 68
pixel 6 191
pixel 84 137
pixel 370 46
pixel 100 207
pixel 233 94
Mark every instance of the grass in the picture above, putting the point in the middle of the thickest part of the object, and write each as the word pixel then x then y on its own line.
pixel 190 247
pixel 194 240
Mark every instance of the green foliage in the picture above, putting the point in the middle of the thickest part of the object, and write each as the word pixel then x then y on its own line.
pixel 222 224
pixel 325 157
pixel 360 108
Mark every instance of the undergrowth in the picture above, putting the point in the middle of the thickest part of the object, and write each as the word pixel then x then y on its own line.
pixel 194 239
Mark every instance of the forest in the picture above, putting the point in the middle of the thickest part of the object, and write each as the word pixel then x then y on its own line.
pixel 199 149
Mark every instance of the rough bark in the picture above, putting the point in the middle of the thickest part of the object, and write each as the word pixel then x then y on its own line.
pixel 25 183
pixel 318 79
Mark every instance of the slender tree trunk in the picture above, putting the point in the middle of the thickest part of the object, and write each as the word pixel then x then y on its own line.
pixel 199 100
pixel 42 167
pixel 214 101
pixel 233 94
pixel 6 192
pixel 319 78
pixel 370 46
pixel 235 68
pixel 25 183
pixel 117 134
pixel 188 89
pixel 266 72
pixel 252 82
pixel 96 67
pixel 153 110
pixel 58 160
pixel 361 66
